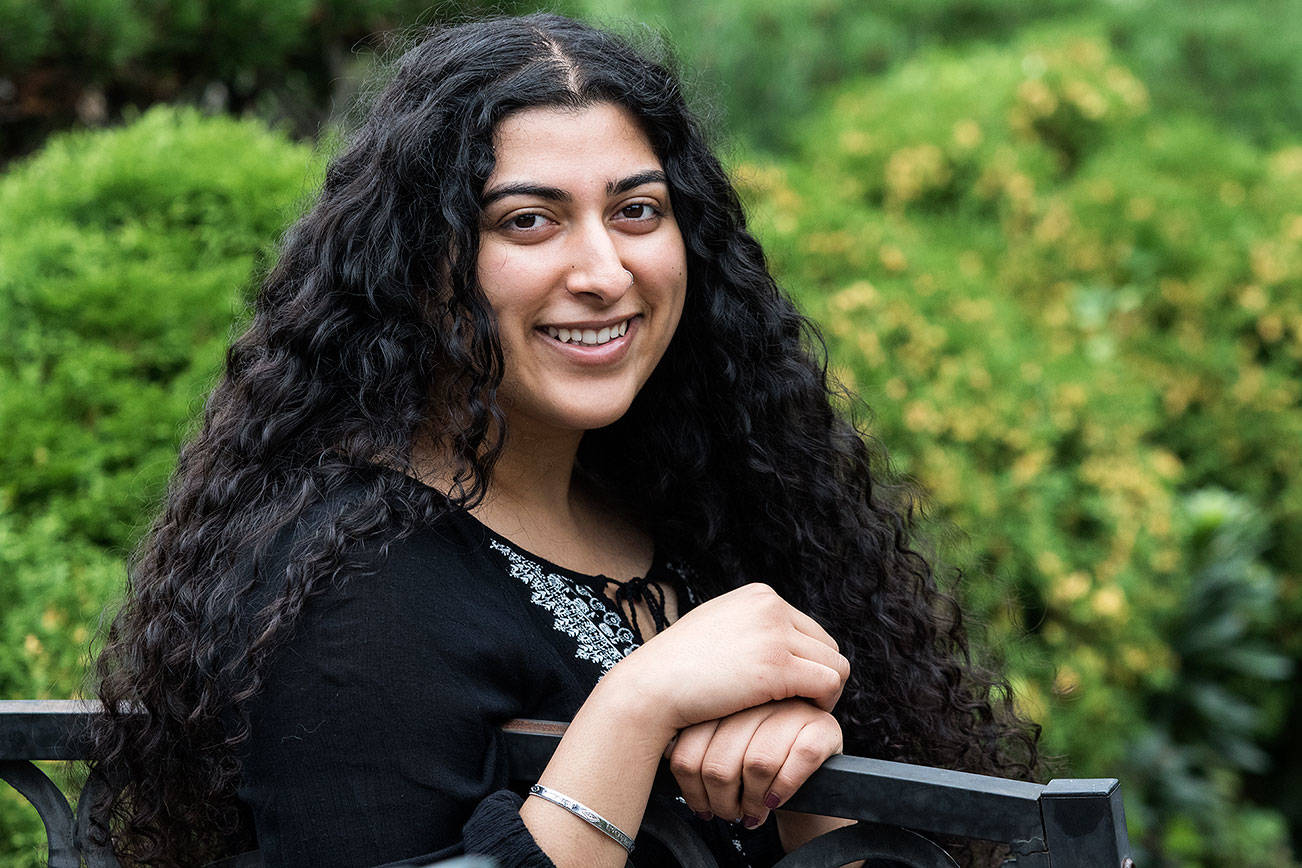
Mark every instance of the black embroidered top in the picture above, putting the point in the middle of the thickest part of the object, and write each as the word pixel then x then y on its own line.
pixel 375 738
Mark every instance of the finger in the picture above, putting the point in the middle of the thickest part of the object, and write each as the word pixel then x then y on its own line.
pixel 813 745
pixel 767 753
pixel 816 682
pixel 721 765
pixel 812 649
pixel 811 628
pixel 685 765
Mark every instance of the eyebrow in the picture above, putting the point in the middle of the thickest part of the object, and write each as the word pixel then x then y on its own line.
pixel 650 176
pixel 556 194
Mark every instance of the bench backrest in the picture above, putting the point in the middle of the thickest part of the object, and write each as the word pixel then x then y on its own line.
pixel 1067 823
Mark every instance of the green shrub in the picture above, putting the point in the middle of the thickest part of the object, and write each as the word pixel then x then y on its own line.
pixel 65 62
pixel 1072 322
pixel 759 64
pixel 1237 61
pixel 768 63
pixel 123 261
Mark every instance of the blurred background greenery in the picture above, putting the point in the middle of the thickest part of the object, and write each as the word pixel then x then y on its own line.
pixel 1056 246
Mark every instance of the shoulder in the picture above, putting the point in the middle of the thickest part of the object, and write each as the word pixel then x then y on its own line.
pixel 373 731
pixel 390 561
pixel 408 620
pixel 384 522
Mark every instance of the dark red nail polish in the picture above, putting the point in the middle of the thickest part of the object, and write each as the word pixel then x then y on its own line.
pixel 750 822
pixel 772 800
pixel 704 815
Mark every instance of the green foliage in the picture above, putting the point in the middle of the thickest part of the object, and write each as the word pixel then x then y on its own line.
pixel 225 39
pixel 1232 59
pixel 64 62
pixel 123 256
pixel 24 31
pixel 1073 323
pixel 768 60
pixel 119 276
pixel 1203 726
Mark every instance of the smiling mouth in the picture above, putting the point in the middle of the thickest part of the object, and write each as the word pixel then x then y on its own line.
pixel 588 337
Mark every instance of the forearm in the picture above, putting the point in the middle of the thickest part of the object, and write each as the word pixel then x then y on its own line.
pixel 607 760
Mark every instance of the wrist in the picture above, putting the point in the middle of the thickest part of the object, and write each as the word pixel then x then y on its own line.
pixel 607 761
pixel 621 699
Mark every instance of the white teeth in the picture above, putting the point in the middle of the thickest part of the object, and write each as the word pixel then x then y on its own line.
pixel 589 337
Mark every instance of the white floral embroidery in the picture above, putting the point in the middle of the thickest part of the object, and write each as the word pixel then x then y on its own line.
pixel 599 633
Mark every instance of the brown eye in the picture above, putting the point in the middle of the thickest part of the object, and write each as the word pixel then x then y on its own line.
pixel 638 211
pixel 525 221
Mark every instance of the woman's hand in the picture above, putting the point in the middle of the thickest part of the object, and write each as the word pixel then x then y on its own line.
pixel 746 648
pixel 749 763
pixel 743 649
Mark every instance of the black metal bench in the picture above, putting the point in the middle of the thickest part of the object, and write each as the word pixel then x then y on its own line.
pixel 1067 823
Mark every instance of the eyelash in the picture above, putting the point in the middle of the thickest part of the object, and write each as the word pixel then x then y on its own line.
pixel 654 211
pixel 509 223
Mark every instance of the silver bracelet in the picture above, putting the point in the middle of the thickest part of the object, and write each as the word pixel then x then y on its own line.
pixel 583 812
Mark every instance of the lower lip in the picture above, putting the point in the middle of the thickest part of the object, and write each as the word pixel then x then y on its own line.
pixel 601 354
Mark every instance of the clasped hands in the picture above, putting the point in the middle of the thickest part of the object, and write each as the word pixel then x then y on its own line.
pixel 749 763
pixel 748 682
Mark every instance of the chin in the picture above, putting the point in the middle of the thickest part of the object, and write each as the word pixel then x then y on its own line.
pixel 595 411
pixel 582 417
pixel 590 421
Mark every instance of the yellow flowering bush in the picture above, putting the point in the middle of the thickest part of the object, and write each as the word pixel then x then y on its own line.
pixel 1077 325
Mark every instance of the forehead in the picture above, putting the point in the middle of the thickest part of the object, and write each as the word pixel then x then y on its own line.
pixel 598 141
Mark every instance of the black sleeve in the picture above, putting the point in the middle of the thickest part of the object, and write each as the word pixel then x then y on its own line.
pixel 375 737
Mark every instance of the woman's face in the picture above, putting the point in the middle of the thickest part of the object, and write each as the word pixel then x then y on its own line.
pixel 582 263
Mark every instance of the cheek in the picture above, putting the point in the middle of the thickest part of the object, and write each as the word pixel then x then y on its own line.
pixel 664 263
pixel 511 283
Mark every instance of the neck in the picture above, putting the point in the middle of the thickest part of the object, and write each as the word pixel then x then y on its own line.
pixel 531 489
pixel 533 501
pixel 534 475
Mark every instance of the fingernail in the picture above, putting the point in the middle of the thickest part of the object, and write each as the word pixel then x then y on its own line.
pixel 750 822
pixel 772 800
pixel 704 815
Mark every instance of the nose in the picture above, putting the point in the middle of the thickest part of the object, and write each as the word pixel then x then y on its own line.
pixel 596 268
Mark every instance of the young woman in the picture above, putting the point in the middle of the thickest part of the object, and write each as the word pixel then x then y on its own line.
pixel 523 427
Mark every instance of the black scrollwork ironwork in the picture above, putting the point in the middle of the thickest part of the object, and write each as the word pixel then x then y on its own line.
pixel 55 813
pixel 880 846
pixel 664 824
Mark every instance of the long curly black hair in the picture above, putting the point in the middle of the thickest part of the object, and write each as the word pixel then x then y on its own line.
pixel 371 338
